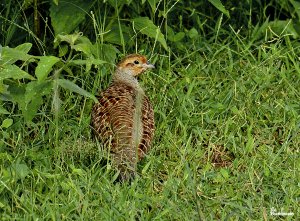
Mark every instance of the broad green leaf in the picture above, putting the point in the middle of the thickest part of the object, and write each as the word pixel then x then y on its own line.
pixel 296 5
pixel 76 42
pixel 193 33
pixel 90 60
pixel 146 26
pixel 113 35
pixel 36 89
pixel 69 85
pixel 7 123
pixel 25 47
pixel 17 93
pixel 71 39
pixel 3 88
pixel 84 45
pixel 105 52
pixel 152 4
pixel 88 63
pixel 67 15
pixel 21 170
pixel 218 4
pixel 170 32
pixel 32 108
pixel 45 67
pixel 14 72
pixel 224 173
pixel 174 37
pixel 281 27
pixel 11 55
pixel 29 96
pixel 85 48
pixel 63 50
pixel 3 110
pixel 179 36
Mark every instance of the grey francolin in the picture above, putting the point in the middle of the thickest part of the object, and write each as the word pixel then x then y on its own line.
pixel 123 119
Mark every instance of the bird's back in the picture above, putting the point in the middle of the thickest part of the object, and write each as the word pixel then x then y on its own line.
pixel 123 120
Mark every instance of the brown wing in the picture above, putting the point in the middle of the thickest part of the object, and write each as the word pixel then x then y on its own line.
pixel 148 128
pixel 112 120
pixel 112 116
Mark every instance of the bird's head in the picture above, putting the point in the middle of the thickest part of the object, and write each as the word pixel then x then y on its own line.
pixel 134 65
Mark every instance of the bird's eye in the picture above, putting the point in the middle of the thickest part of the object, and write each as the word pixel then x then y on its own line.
pixel 136 62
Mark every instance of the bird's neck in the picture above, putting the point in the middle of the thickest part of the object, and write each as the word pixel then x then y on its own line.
pixel 125 78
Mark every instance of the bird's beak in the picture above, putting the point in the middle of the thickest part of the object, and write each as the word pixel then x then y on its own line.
pixel 149 65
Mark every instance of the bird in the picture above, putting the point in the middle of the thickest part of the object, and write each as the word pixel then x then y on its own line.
pixel 123 118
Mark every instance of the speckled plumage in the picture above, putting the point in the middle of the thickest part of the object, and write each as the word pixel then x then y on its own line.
pixel 123 119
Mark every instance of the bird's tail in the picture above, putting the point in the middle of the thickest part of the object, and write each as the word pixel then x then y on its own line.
pixel 125 155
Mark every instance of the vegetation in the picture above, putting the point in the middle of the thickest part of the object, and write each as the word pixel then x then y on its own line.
pixel 226 99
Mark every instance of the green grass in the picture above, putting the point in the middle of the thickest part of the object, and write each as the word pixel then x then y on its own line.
pixel 226 145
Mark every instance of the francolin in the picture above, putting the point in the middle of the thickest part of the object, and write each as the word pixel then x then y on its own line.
pixel 123 119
